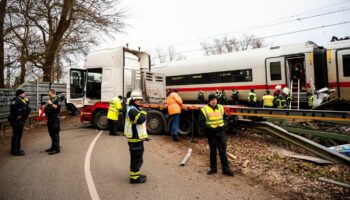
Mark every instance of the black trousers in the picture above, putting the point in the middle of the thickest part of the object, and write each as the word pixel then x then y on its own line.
pixel 217 142
pixel 17 130
pixel 113 127
pixel 136 155
pixel 53 124
pixel 235 100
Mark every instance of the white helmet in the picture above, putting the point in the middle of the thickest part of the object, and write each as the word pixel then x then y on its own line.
pixel 278 87
pixel 136 94
pixel 286 91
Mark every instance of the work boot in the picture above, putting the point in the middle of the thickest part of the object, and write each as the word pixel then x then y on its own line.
pixel 212 172
pixel 144 176
pixel 18 153
pixel 48 150
pixel 141 179
pixel 228 173
pixel 54 152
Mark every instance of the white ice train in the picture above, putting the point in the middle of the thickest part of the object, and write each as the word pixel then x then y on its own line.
pixel 263 69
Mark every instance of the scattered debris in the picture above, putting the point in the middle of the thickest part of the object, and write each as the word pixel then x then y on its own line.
pixel 187 157
pixel 292 154
pixel 343 149
pixel 245 163
pixel 334 182
pixel 232 156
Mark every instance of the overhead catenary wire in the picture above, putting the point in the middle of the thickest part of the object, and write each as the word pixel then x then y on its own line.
pixel 274 22
pixel 269 36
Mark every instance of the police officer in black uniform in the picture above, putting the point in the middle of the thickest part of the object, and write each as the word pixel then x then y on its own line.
pixel 19 111
pixel 52 111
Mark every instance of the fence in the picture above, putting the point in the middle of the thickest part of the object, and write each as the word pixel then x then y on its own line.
pixel 36 92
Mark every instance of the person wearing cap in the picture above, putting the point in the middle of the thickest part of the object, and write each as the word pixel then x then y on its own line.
pixel 19 112
pixel 211 118
pixel 174 103
pixel 52 111
pixel 136 132
pixel 115 105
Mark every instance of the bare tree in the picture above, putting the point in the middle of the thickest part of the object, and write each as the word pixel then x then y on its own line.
pixel 45 33
pixel 3 4
pixel 168 56
pixel 226 45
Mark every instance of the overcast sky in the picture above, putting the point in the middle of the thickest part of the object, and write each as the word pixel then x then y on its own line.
pixel 185 23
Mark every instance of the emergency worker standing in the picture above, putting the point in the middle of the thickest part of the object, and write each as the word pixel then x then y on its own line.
pixel 19 111
pixel 235 97
pixel 252 98
pixel 218 96
pixel 136 132
pixel 223 97
pixel 200 97
pixel 115 105
pixel 211 118
pixel 52 111
pixel 174 103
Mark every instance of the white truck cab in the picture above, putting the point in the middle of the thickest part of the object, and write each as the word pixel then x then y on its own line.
pixel 109 73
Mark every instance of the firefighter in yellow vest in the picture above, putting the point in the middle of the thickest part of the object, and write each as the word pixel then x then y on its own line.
pixel 136 132
pixel 211 118
pixel 251 98
pixel 115 105
pixel 310 99
pixel 267 100
pixel 281 101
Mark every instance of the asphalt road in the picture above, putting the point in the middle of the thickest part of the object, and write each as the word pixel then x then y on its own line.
pixel 40 176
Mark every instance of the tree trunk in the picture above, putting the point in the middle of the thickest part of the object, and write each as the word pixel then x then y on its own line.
pixel 2 55
pixel 63 25
pixel 22 62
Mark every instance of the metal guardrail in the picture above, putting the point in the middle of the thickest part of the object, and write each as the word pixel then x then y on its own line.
pixel 302 142
pixel 285 113
pixel 36 92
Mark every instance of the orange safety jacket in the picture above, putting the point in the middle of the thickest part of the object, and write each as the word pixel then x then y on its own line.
pixel 174 103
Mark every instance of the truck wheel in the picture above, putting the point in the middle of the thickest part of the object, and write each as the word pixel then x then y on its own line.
pixel 185 125
pixel 155 124
pixel 100 120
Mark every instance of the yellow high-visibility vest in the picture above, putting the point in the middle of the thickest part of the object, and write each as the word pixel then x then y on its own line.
pixel 250 94
pixel 114 106
pixel 268 100
pixel 214 117
pixel 141 129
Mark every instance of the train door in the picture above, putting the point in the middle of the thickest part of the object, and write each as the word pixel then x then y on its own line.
pixel 275 72
pixel 295 67
pixel 76 87
pixel 343 72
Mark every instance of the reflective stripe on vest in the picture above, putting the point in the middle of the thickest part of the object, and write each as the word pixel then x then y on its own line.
pixel 140 128
pixel 214 118
pixel 113 110
pixel 281 103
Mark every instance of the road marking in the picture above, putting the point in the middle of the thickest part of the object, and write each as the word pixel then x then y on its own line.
pixel 88 176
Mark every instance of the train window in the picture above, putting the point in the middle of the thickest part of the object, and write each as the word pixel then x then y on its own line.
pixel 275 71
pixel 243 75
pixel 346 65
